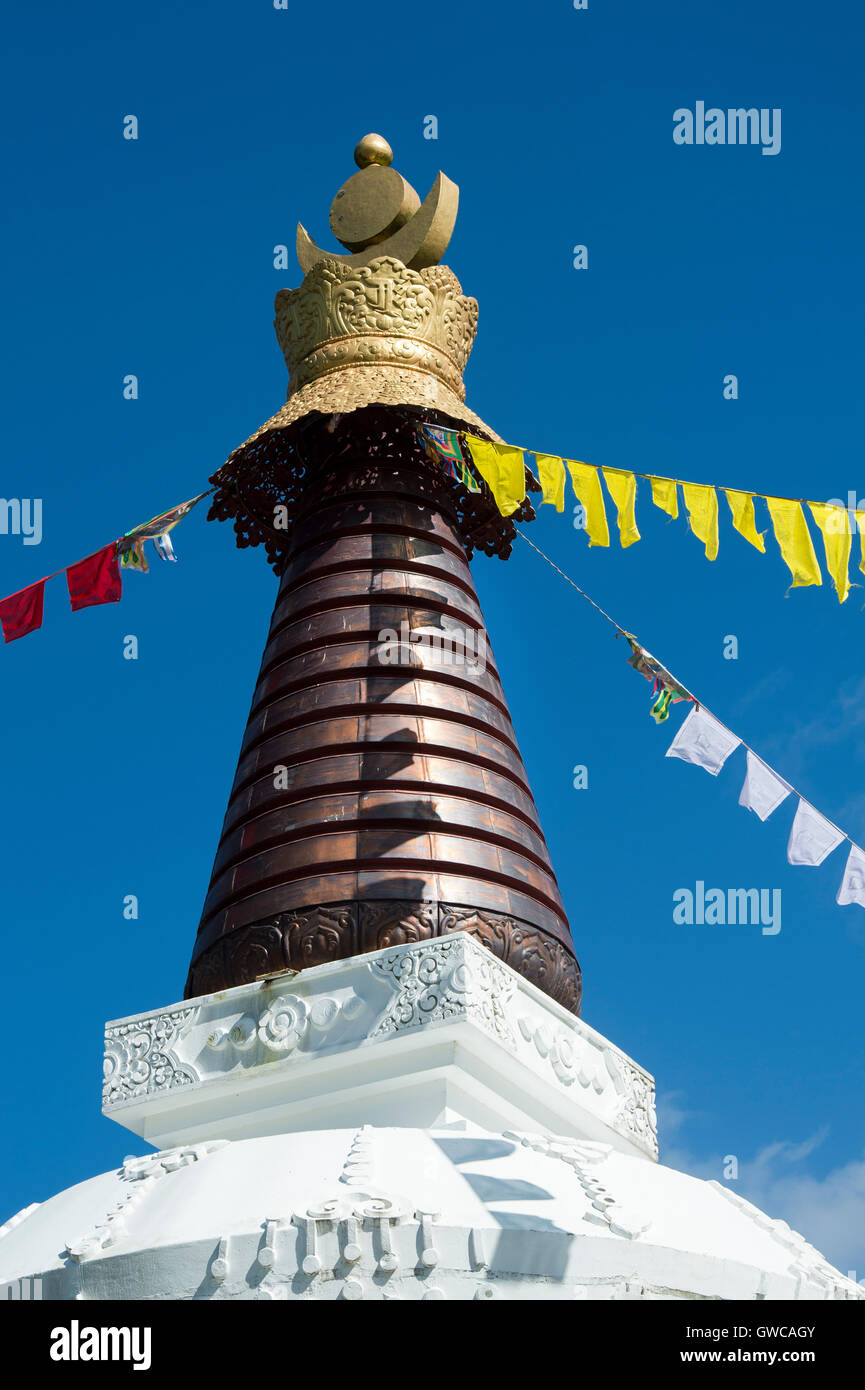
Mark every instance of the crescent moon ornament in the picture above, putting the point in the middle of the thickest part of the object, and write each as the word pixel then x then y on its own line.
pixel 378 213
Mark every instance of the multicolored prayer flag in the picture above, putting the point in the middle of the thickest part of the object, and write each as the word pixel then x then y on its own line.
pixel 131 555
pixel 443 447
pixel 665 687
pixel 130 548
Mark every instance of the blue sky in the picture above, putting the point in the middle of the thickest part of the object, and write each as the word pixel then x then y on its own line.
pixel 155 257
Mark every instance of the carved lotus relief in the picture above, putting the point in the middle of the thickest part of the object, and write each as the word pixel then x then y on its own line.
pixel 283 1024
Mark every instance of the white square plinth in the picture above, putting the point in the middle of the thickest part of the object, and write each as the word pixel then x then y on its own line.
pixel 424 1034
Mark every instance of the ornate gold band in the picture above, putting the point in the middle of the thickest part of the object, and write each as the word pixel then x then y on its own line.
pixel 378 350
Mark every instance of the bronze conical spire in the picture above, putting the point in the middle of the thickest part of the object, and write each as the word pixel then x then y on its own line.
pixel 380 795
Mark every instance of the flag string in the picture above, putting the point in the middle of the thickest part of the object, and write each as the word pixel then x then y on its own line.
pixel 95 579
pixel 63 568
pixel 623 632
pixel 504 471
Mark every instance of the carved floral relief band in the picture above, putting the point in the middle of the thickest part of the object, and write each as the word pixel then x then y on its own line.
pixel 336 931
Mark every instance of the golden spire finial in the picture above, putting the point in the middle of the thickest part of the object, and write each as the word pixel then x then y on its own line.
pixel 374 203
pixel 372 149
pixel 378 213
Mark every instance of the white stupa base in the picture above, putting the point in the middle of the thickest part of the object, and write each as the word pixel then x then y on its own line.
pixel 417 1124
pixel 447 1213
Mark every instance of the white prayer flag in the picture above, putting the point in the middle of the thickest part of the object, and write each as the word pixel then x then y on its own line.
pixel 852 888
pixel 763 790
pixel 703 741
pixel 812 838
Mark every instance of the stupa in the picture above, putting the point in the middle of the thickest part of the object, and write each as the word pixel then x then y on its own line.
pixel 378 1084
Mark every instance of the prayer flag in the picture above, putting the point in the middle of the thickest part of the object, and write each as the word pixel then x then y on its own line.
pixel 445 443
pixel 794 538
pixel 852 888
pixel 623 490
pixel 704 741
pixel 163 547
pixel 468 479
pixel 702 504
pixel 742 508
pixel 763 790
pixel 587 486
pixel 503 469
pixel 131 554
pixel 130 547
pixel 95 580
pixel 666 690
pixel 551 473
pixel 22 613
pixel 812 838
pixel 665 495
pixel 834 524
pixel 443 447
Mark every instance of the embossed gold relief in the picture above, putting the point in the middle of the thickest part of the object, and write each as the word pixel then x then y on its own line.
pixel 385 325
pixel 382 314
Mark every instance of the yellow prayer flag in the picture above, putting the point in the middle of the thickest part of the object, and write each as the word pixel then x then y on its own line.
pixel 702 504
pixel 860 522
pixel 742 508
pixel 587 486
pixel 551 472
pixel 503 469
pixel 834 526
pixel 665 495
pixel 623 490
pixel 794 538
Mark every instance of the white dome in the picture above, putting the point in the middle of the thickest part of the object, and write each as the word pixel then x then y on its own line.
pixel 380 1213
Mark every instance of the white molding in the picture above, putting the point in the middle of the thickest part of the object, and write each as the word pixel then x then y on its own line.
pixel 399 1036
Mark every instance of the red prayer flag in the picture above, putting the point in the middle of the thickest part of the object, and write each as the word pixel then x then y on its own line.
pixel 95 580
pixel 22 613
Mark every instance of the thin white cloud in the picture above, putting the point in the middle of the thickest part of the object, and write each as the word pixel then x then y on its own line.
pixel 828 1211
pixel 766 688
